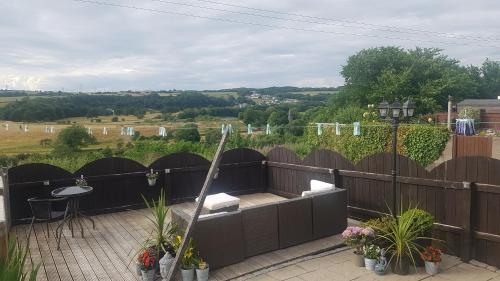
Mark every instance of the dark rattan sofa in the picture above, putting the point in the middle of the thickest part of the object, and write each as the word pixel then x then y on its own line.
pixel 229 238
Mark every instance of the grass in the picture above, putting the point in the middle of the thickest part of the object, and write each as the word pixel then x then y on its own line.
pixel 314 93
pixel 15 141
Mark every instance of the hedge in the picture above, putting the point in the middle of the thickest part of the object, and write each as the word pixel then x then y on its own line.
pixel 422 143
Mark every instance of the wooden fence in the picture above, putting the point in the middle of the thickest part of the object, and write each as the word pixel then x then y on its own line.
pixel 472 146
pixel 463 193
pixel 120 183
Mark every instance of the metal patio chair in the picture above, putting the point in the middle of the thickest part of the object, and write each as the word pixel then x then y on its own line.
pixel 43 211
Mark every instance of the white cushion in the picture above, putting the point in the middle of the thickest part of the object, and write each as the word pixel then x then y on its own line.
pixel 219 201
pixel 321 185
pixel 314 192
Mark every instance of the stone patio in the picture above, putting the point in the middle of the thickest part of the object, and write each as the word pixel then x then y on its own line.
pixel 337 266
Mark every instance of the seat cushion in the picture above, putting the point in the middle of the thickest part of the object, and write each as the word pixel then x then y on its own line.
pixel 220 201
pixel 317 185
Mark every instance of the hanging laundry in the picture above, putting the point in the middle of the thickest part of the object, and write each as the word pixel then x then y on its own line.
pixel 320 128
pixel 25 128
pixel 162 132
pixel 268 129
pixel 6 126
pixel 465 127
pixel 52 130
pixel 337 129
pixel 357 130
pixel 249 129
pixel 89 131
pixel 122 131
pixel 222 129
pixel 230 128
pixel 104 131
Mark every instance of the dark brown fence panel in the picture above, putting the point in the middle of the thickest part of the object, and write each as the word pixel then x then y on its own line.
pixel 33 180
pixel 241 172
pixel 184 174
pixel 472 146
pixel 118 183
pixel 486 217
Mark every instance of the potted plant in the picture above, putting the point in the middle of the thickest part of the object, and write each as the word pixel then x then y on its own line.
pixel 371 253
pixel 356 237
pixel 423 222
pixel 432 257
pixel 381 266
pixel 202 270
pixel 161 239
pixel 165 264
pixel 147 260
pixel 152 176
pixel 81 181
pixel 188 260
pixel 401 240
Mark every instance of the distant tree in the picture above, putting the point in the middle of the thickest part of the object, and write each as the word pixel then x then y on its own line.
pixel 72 139
pixel 278 118
pixel 253 116
pixel 213 136
pixel 426 75
pixel 114 119
pixel 188 132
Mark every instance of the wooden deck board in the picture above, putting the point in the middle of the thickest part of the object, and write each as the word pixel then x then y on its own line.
pixel 108 252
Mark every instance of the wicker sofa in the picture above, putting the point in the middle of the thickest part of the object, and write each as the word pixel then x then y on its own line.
pixel 229 238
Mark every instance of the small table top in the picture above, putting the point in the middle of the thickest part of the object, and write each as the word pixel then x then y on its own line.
pixel 72 191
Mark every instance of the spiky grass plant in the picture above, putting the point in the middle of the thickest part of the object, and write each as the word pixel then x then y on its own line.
pixel 163 231
pixel 12 265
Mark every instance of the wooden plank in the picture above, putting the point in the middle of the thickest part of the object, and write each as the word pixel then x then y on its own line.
pixel 199 205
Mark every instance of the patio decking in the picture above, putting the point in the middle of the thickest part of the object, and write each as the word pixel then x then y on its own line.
pixel 107 253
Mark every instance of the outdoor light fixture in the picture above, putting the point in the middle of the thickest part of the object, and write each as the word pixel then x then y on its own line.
pixel 385 110
pixel 408 108
pixel 396 108
pixel 383 107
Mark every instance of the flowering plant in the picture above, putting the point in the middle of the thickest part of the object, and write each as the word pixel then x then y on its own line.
pixel 81 181
pixel 357 237
pixel 431 254
pixel 371 251
pixel 147 259
pixel 152 175
pixel 189 259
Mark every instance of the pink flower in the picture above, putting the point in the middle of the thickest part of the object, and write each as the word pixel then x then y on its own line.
pixel 347 233
pixel 368 232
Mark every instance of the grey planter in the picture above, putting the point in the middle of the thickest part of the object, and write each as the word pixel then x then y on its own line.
pixel 165 264
pixel 202 274
pixel 187 274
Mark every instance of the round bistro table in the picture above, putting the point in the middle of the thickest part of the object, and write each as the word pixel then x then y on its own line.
pixel 72 214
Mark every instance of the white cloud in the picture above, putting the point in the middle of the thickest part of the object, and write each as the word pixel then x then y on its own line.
pixel 56 44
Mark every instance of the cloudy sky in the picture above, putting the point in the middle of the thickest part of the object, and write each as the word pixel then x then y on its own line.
pixel 155 44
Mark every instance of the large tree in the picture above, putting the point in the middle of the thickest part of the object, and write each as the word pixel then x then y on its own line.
pixel 426 75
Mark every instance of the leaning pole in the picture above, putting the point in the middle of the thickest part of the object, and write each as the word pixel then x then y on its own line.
pixel 203 194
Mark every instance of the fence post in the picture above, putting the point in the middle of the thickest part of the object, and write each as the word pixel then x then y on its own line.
pixel 168 186
pixel 465 223
pixel 4 219
pixel 263 176
pixel 337 179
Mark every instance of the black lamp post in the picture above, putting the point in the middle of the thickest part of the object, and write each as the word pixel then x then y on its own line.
pixel 392 113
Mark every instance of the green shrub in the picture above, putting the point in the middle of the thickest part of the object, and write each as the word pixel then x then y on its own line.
pixel 424 144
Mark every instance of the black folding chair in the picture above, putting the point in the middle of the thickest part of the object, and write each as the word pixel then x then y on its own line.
pixel 43 211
